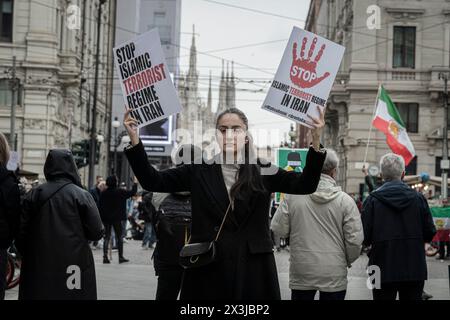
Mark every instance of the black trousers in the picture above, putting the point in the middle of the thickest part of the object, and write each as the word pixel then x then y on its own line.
pixel 308 295
pixel 442 245
pixel 3 263
pixel 406 291
pixel 169 283
pixel 118 232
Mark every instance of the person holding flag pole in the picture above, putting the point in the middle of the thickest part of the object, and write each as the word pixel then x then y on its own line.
pixel 386 118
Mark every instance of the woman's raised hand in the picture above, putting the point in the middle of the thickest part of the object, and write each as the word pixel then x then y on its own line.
pixel 131 126
pixel 316 131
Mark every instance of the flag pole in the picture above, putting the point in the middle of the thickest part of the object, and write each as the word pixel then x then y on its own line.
pixel 370 129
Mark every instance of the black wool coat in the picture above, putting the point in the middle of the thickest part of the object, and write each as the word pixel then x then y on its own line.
pixel 9 207
pixel 58 218
pixel 245 267
pixel 113 204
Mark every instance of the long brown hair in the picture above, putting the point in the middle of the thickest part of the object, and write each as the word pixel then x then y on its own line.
pixel 4 150
pixel 249 175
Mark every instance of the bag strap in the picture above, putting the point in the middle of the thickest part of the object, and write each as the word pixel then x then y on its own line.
pixel 218 232
pixel 223 222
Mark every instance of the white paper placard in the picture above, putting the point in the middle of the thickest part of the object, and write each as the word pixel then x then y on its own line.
pixel 304 77
pixel 145 80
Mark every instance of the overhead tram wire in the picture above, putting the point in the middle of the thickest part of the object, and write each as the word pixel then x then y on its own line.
pixel 257 69
pixel 297 19
pixel 324 25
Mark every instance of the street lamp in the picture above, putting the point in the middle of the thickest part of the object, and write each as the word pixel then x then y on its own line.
pixel 115 125
pixel 100 138
pixel 292 135
pixel 126 139
pixel 94 105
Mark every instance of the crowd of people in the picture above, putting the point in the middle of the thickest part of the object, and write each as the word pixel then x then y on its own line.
pixel 209 224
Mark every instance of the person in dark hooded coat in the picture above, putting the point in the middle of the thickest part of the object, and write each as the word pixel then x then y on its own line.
pixel 9 210
pixel 58 219
pixel 397 223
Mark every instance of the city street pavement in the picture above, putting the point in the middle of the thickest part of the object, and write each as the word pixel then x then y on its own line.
pixel 136 280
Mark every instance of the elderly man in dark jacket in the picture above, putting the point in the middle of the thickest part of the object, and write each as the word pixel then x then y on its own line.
pixel 58 220
pixel 113 210
pixel 397 223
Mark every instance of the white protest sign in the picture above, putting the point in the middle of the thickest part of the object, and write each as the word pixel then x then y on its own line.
pixel 145 79
pixel 304 77
pixel 13 162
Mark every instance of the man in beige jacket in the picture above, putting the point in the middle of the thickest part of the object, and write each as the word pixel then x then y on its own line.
pixel 325 235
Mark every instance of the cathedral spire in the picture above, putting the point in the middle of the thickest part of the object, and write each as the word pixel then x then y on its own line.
pixel 232 89
pixel 227 87
pixel 192 73
pixel 209 104
pixel 232 70
pixel 228 74
pixel 222 91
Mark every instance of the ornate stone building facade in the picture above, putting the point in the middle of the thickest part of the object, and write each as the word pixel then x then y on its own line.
pixel 403 45
pixel 54 42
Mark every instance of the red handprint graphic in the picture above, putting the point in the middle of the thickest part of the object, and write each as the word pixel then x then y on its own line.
pixel 303 69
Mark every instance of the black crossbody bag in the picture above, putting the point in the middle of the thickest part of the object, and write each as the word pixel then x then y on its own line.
pixel 194 255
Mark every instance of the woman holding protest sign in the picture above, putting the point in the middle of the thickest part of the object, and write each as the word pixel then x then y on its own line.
pixel 229 254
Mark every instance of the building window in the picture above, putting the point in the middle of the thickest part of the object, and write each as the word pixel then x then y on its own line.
pixel 411 168
pixel 7 135
pixel 6 20
pixel 6 93
pixel 159 18
pixel 404 47
pixel 409 112
pixel 165 30
pixel 437 167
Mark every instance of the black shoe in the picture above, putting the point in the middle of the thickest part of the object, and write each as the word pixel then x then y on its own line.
pixel 426 296
pixel 123 260
pixel 106 260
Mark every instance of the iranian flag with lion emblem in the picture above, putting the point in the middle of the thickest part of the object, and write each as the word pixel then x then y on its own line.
pixel 387 119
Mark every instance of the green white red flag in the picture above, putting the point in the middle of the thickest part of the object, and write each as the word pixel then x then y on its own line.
pixel 387 119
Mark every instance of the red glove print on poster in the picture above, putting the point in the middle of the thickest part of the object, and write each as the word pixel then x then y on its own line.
pixel 303 70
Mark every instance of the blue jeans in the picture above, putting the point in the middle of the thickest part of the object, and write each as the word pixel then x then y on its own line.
pixel 149 235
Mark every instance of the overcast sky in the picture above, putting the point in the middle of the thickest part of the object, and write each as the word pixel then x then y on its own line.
pixel 221 27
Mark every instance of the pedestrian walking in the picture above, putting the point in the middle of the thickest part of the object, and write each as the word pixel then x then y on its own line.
pixel 9 210
pixel 325 233
pixel 230 207
pixel 147 213
pixel 397 223
pixel 58 220
pixel 113 211
pixel 100 186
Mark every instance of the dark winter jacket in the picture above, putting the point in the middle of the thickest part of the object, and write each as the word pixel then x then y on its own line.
pixel 172 230
pixel 95 193
pixel 9 207
pixel 58 219
pixel 245 267
pixel 397 222
pixel 113 204
pixel 147 211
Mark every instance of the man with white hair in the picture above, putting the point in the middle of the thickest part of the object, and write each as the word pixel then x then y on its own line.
pixel 325 234
pixel 397 222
